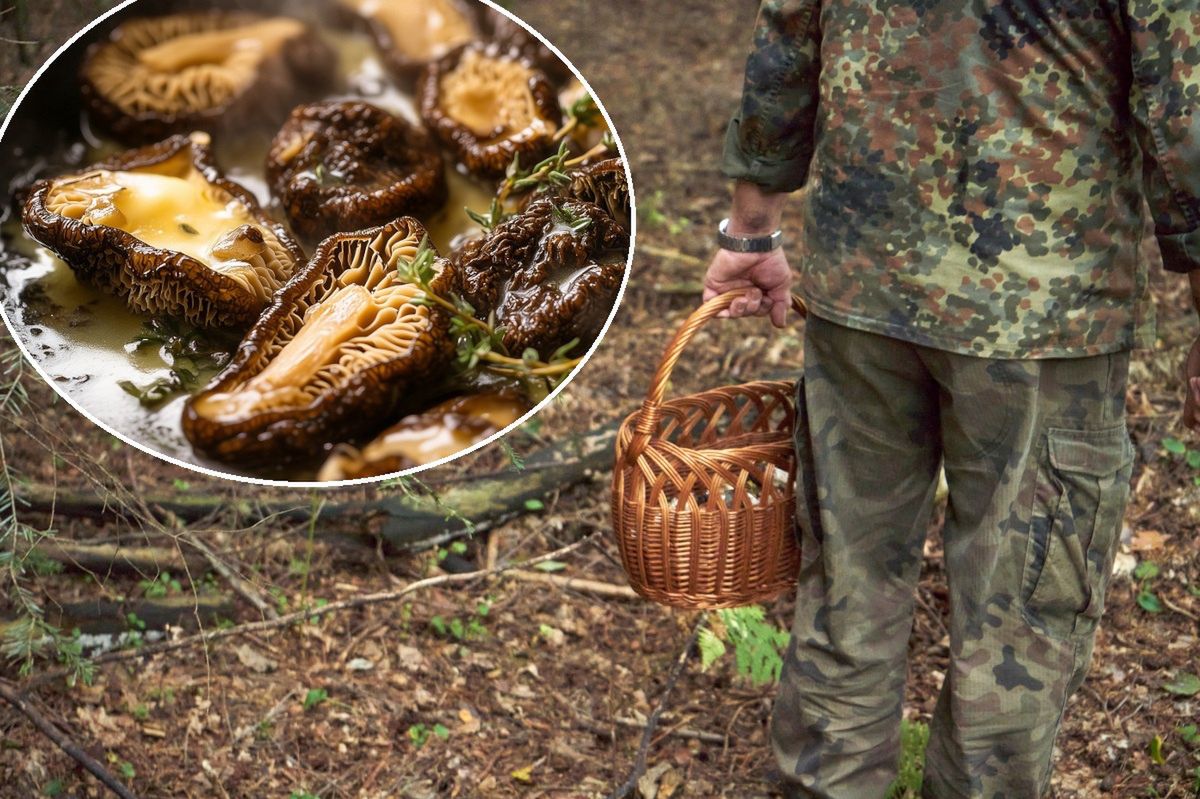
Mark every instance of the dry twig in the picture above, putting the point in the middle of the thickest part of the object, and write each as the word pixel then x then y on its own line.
pixel 13 697
pixel 611 590
pixel 639 764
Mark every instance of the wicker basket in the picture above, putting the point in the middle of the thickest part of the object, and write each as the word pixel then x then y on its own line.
pixel 703 497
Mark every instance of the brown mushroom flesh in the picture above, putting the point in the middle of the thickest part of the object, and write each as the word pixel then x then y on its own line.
pixel 605 184
pixel 440 432
pixel 546 281
pixel 161 228
pixel 411 33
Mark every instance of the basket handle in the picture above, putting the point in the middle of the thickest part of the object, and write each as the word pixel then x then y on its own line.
pixel 648 417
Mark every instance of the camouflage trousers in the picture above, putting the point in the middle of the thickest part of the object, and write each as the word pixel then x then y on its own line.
pixel 1038 463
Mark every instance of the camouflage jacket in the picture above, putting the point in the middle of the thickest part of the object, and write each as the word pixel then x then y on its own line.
pixel 993 177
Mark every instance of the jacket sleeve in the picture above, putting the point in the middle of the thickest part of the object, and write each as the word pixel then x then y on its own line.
pixel 1165 101
pixel 770 139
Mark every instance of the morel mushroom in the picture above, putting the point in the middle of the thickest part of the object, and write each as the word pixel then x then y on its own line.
pixel 550 274
pixel 161 228
pixel 411 33
pixel 443 430
pixel 605 184
pixel 347 343
pixel 210 71
pixel 490 106
pixel 511 36
pixel 349 165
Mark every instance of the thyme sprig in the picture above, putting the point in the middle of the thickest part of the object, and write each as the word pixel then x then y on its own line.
pixel 583 113
pixel 578 223
pixel 552 172
pixel 479 343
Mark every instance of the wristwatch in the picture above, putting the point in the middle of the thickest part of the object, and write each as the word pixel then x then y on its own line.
pixel 747 243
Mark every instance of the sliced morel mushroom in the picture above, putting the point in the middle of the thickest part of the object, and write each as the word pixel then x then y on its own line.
pixel 161 228
pixel 605 184
pixel 347 343
pixel 340 166
pixel 550 274
pixel 489 107
pixel 411 33
pixel 444 430
pixel 214 70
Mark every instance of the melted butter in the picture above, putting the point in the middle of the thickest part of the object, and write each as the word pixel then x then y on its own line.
pixel 260 39
pixel 348 312
pixel 421 29
pixel 451 225
pixel 157 205
pixel 438 433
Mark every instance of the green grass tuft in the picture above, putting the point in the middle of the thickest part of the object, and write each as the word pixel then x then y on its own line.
pixel 914 735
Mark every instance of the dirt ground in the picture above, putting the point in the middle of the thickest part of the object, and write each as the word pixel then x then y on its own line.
pixel 512 688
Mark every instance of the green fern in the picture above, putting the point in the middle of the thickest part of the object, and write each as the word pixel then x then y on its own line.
pixel 758 644
pixel 711 648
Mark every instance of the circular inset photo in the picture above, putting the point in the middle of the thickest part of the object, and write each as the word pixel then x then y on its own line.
pixel 311 241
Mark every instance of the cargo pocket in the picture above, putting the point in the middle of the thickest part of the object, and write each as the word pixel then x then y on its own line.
pixel 808 513
pixel 1082 486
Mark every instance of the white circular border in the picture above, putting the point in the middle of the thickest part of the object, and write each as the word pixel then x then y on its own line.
pixel 362 480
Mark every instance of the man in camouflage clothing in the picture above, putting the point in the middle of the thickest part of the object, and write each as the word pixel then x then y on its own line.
pixel 986 186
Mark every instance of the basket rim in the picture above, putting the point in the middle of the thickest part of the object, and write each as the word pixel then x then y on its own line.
pixel 774 439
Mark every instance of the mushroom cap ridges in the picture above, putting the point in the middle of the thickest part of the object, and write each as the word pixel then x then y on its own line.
pixel 546 282
pixel 343 165
pixel 479 78
pixel 141 87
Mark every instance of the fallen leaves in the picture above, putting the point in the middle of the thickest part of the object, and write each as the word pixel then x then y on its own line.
pixel 1148 540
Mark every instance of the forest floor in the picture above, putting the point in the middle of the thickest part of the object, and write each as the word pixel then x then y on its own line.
pixel 507 687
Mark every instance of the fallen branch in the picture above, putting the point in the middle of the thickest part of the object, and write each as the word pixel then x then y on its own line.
pixel 107 559
pixel 109 616
pixel 402 520
pixel 687 733
pixel 241 586
pixel 670 254
pixel 10 695
pixel 309 614
pixel 639 764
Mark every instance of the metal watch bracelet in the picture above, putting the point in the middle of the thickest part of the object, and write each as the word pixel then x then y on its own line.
pixel 747 243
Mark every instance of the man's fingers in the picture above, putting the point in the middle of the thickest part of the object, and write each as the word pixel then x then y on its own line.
pixel 779 314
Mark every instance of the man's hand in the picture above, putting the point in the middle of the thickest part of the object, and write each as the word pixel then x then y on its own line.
pixel 1191 378
pixel 765 276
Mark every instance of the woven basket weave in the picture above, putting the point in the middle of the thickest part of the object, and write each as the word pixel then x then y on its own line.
pixel 703 499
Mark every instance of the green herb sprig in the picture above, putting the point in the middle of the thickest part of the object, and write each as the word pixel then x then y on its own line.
pixel 479 342
pixel 191 354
